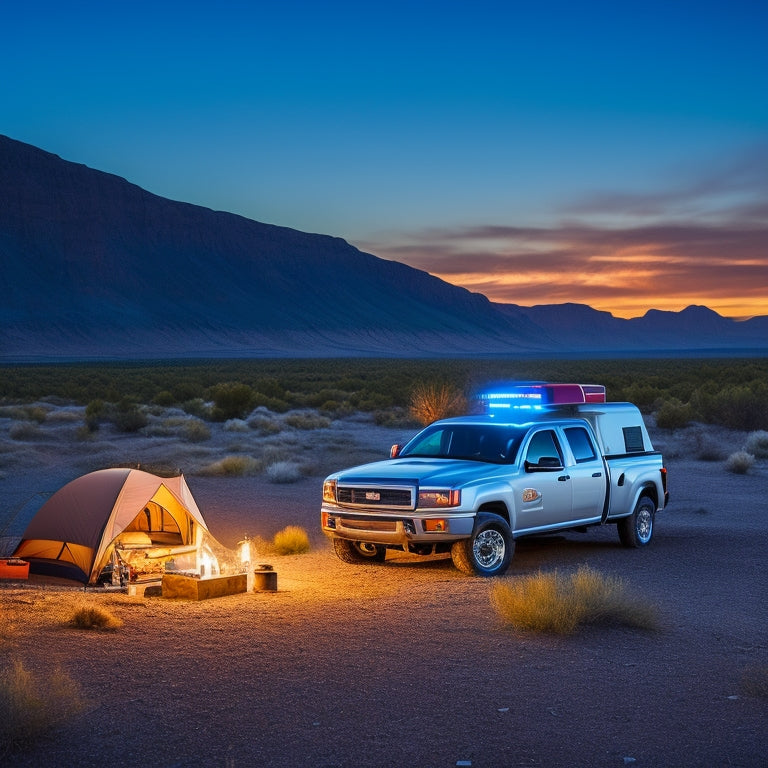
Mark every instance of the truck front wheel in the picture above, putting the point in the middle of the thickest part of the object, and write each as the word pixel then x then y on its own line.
pixel 359 551
pixel 488 551
pixel 637 529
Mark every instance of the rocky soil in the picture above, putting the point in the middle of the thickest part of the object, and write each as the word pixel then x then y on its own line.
pixel 406 663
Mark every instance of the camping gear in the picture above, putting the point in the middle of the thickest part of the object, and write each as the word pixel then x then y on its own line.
pixel 123 517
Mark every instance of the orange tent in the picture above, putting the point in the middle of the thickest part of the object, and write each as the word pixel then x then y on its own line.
pixel 76 532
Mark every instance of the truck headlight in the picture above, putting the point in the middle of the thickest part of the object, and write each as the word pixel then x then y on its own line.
pixel 439 499
pixel 329 491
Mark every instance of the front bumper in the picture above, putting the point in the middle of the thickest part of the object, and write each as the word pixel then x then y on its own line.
pixel 394 529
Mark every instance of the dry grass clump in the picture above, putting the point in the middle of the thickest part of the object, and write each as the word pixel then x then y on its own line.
pixel 24 430
pixel 94 617
pixel 740 462
pixel 231 466
pixel 291 540
pixel 264 424
pixel 558 604
pixel 236 425
pixel 284 472
pixel 31 706
pixel 757 444
pixel 436 400
pixel 307 420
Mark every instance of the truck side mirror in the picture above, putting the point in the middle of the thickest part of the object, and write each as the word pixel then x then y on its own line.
pixel 544 464
pixel 394 451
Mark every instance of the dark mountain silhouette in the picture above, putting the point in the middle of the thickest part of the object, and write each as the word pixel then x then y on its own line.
pixel 93 266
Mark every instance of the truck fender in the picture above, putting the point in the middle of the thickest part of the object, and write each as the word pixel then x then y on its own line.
pixel 484 516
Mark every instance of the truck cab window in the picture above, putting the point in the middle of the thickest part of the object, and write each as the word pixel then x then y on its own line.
pixel 543 443
pixel 581 444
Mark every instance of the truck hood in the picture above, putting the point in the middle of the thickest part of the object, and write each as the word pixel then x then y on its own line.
pixel 424 472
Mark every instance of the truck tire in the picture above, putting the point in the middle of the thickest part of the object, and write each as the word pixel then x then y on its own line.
pixel 359 551
pixel 488 551
pixel 637 529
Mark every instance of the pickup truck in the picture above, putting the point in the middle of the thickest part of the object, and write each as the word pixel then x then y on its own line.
pixel 540 458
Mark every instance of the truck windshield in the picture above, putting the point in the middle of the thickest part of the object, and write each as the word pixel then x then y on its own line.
pixel 493 443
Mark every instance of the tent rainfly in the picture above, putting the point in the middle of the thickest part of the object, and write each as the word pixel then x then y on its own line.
pixel 79 529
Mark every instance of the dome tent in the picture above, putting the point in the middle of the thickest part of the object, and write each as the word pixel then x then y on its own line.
pixel 75 533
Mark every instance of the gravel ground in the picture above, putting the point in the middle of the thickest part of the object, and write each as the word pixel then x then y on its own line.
pixel 406 663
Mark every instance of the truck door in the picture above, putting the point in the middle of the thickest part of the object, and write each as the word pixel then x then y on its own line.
pixel 588 477
pixel 545 498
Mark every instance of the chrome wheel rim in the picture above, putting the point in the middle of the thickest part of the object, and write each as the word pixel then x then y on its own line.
pixel 489 549
pixel 644 524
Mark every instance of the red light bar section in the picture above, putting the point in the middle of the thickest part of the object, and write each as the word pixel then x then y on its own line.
pixel 573 394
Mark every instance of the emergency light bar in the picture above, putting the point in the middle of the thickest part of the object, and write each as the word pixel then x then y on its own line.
pixel 533 396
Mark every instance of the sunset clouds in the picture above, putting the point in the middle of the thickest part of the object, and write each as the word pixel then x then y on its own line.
pixel 704 241
pixel 613 154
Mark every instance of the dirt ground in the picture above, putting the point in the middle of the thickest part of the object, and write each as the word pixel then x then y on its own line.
pixel 406 663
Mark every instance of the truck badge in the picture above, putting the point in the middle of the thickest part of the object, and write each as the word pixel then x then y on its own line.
pixel 372 496
pixel 530 494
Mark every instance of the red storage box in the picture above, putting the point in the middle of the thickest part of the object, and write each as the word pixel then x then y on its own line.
pixel 14 568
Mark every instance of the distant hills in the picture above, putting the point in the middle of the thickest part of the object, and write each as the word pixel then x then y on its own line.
pixel 96 267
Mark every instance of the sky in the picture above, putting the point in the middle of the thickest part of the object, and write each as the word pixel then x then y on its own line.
pixel 607 153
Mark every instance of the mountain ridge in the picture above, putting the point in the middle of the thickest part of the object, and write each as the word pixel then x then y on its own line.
pixel 96 266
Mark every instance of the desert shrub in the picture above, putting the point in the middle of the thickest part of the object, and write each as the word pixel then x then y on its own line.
pixel 24 430
pixel 128 417
pixel 307 420
pixel 740 462
pixel 231 400
pixel 195 431
pixel 284 472
pixel 94 411
pixel 274 404
pixel 395 417
pixel 291 540
pixel 673 415
pixel 235 425
pixel 558 604
pixel 710 453
pixel 31 706
pixel 63 417
pixel 232 466
pixel 164 398
pixel 197 407
pixel 757 444
pixel 436 400
pixel 94 617
pixel 738 406
pixel 265 425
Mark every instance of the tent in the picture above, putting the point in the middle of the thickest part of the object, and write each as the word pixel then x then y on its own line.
pixel 126 515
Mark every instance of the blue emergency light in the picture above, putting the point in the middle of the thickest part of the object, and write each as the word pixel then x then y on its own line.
pixel 534 396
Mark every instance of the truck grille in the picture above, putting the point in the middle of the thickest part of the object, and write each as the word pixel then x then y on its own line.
pixel 372 496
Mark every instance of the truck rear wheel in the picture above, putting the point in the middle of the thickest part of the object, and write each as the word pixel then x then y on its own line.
pixel 637 529
pixel 488 551
pixel 359 551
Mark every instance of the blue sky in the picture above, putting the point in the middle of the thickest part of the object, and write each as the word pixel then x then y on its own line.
pixel 609 153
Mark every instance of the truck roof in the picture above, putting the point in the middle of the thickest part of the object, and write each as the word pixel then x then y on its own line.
pixel 619 427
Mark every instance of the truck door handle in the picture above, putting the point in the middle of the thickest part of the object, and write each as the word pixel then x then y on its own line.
pixel 597 474
pixel 563 478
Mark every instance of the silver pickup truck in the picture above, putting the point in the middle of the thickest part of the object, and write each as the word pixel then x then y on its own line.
pixel 540 458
